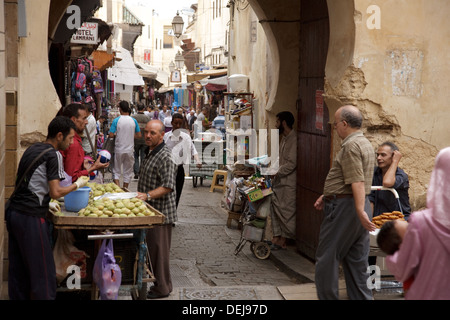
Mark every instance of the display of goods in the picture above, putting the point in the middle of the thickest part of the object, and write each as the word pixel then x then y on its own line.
pixel 116 208
pixel 99 189
pixel 387 216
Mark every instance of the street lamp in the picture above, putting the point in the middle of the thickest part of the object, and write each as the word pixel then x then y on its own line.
pixel 177 25
pixel 179 60
pixel 171 66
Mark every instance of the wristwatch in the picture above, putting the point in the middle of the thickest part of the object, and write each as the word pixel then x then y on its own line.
pixel 148 196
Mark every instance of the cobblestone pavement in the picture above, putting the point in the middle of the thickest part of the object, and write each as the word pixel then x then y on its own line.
pixel 204 265
pixel 203 260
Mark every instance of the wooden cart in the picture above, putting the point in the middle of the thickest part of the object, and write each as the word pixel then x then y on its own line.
pixel 117 228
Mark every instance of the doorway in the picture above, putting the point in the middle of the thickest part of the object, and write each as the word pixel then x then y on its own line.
pixel 314 130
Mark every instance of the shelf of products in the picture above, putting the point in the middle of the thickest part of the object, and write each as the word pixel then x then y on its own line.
pixel 238 110
pixel 238 120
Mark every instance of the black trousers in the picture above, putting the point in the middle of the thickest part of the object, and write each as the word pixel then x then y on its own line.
pixel 32 271
pixel 179 182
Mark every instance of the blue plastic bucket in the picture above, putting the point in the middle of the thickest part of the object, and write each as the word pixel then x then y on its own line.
pixel 77 200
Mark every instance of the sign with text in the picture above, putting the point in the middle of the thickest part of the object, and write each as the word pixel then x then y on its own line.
pixel 87 33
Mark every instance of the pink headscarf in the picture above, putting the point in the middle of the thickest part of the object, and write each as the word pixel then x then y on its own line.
pixel 438 195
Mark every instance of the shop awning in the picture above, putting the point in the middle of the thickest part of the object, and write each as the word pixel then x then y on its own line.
pixel 124 71
pixel 165 89
pixel 146 70
pixel 215 84
pixel 102 59
pixel 206 73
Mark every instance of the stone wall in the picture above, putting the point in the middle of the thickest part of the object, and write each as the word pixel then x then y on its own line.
pixel 397 75
pixel 8 120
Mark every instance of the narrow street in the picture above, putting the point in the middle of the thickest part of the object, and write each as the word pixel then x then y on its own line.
pixel 204 265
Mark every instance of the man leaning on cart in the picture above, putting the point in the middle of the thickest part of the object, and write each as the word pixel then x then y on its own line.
pixel 156 185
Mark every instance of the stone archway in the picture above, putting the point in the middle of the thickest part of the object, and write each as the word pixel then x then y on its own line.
pixel 282 24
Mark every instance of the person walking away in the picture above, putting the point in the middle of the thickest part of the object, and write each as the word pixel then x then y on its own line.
pixel 73 156
pixel 163 113
pixel 424 253
pixel 388 174
pixel 150 112
pixel 192 119
pixel 203 120
pixel 139 143
pixel 125 129
pixel 101 122
pixel 344 233
pixel 156 185
pixel 219 122
pixel 182 147
pixel 168 122
pixel 90 132
pixel 32 271
pixel 284 208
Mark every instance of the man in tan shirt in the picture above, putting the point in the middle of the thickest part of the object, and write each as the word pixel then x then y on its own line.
pixel 344 233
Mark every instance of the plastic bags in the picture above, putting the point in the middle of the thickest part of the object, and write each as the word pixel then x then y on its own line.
pixel 106 274
pixel 66 254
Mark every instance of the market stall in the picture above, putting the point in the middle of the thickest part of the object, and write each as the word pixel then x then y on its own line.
pixel 114 214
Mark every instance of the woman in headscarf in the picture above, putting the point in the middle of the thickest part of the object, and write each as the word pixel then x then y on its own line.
pixel 425 250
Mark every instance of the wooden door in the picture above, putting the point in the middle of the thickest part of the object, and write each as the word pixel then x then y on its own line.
pixel 314 132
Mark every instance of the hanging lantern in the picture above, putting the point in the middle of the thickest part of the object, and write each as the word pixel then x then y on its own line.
pixel 177 25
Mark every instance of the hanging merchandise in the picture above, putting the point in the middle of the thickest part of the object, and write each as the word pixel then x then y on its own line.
pixel 81 79
pixel 97 81
pixel 90 101
pixel 206 101
pixel 78 83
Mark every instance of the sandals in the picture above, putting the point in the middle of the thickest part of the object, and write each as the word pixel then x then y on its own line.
pixel 274 246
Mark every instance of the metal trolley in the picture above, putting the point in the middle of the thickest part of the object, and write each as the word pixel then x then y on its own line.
pixel 206 171
pixel 386 286
pixel 212 156
pixel 253 228
pixel 374 250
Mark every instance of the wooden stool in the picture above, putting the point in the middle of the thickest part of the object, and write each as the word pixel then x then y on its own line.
pixel 214 184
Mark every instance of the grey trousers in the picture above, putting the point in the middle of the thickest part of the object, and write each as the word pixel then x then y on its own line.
pixel 159 239
pixel 343 240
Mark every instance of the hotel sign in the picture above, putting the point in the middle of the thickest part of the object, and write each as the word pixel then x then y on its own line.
pixel 87 34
